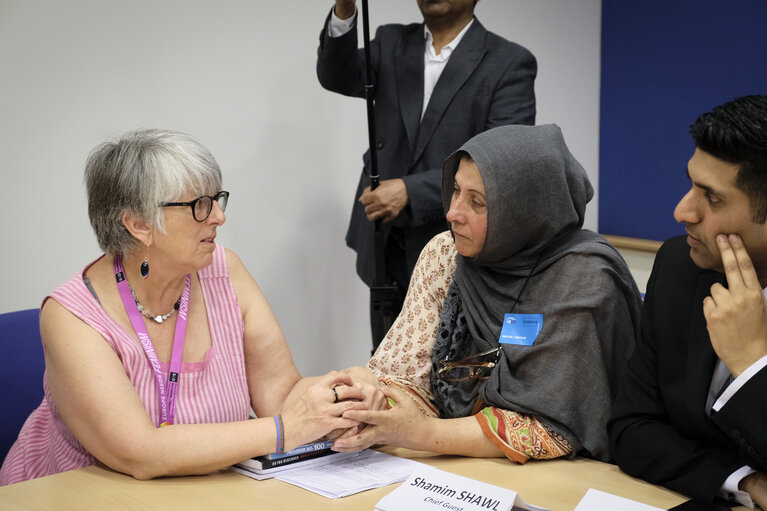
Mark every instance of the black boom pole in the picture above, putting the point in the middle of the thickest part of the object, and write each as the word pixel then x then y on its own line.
pixel 375 178
pixel 383 293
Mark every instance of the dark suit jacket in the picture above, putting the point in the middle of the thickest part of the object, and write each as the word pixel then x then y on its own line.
pixel 659 430
pixel 487 82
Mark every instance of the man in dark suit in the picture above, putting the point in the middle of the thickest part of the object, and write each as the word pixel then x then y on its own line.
pixel 437 84
pixel 691 413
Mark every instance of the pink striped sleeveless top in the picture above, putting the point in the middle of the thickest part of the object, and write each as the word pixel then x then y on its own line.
pixel 215 390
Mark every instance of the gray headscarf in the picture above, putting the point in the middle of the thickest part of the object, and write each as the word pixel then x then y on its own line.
pixel 537 259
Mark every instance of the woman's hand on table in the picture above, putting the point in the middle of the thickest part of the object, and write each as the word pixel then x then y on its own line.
pixel 367 383
pixel 364 384
pixel 313 412
pixel 403 425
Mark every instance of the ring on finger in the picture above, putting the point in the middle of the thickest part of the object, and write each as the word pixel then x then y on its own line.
pixel 335 395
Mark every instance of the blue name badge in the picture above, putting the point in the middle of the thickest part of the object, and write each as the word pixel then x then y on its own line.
pixel 521 329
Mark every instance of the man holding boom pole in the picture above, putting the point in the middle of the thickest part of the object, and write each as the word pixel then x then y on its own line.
pixel 436 85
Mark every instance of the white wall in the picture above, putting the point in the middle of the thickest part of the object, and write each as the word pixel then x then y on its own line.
pixel 640 264
pixel 239 76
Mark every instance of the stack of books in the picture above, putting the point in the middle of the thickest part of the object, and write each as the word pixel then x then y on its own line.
pixel 269 465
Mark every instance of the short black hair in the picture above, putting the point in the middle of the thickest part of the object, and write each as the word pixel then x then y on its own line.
pixel 736 132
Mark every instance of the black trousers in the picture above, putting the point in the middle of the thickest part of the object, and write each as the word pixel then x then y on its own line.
pixel 386 302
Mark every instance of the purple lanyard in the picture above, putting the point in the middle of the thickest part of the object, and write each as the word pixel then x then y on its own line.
pixel 167 394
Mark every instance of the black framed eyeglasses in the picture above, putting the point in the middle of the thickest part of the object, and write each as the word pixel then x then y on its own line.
pixel 202 206
pixel 469 368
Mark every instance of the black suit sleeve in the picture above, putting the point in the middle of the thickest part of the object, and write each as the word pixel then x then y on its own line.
pixel 646 443
pixel 744 419
pixel 340 65
pixel 514 97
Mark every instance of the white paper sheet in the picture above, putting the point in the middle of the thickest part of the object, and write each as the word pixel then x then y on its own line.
pixel 371 469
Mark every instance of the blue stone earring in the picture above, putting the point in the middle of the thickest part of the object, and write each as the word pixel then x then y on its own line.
pixel 145 267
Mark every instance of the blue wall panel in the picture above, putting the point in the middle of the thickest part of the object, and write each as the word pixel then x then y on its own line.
pixel 664 62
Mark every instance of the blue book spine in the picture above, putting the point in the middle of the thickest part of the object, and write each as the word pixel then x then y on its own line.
pixel 301 449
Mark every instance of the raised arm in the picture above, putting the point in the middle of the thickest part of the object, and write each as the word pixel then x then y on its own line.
pixel 736 319
pixel 736 316
pixel 340 65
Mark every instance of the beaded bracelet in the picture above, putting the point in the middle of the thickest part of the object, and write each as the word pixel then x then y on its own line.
pixel 280 434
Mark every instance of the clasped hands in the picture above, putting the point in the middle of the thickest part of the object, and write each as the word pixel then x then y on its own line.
pixel 736 316
pixel 401 424
pixel 351 409
pixel 375 422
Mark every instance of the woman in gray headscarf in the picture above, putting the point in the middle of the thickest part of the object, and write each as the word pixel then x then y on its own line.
pixel 517 321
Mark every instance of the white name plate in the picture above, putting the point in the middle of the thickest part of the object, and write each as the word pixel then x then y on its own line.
pixel 596 500
pixel 430 489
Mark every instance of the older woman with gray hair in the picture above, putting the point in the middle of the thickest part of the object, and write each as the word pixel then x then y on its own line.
pixel 517 321
pixel 157 350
